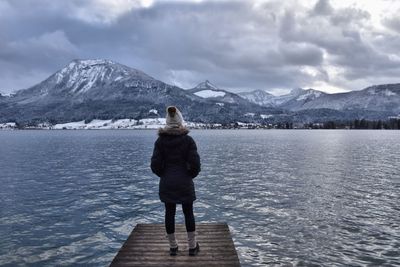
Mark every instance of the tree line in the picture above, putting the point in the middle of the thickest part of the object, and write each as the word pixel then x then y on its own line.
pixel 391 124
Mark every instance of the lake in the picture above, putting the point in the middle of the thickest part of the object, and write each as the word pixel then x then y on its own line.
pixel 290 197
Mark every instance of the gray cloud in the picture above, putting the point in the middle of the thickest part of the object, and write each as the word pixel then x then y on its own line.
pixel 322 7
pixel 239 45
pixel 392 23
pixel 340 33
pixel 301 54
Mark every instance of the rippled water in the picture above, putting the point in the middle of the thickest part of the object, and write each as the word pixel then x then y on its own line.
pixel 291 198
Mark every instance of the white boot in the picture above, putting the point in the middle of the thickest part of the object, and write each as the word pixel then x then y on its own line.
pixel 192 242
pixel 172 240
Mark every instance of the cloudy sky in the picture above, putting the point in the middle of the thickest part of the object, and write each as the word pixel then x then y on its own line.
pixel 273 45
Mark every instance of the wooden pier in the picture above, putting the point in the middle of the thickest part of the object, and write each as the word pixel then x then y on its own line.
pixel 147 245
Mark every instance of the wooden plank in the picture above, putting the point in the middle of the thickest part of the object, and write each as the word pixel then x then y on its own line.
pixel 199 234
pixel 147 246
pixel 157 233
pixel 180 264
pixel 182 251
pixel 161 239
pixel 203 225
pixel 182 247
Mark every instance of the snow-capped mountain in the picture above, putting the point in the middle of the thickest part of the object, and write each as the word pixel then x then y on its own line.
pixel 259 97
pixel 86 89
pixel 83 76
pixel 296 97
pixel 208 90
pixel 379 98
pixel 103 89
pixel 94 79
pixel 207 85
pixel 211 92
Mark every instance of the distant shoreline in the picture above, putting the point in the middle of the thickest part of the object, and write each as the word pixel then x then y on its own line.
pixel 156 123
pixel 211 129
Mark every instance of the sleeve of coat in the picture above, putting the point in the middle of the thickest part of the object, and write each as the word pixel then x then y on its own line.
pixel 157 161
pixel 193 159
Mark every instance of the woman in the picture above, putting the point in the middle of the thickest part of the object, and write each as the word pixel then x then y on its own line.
pixel 176 161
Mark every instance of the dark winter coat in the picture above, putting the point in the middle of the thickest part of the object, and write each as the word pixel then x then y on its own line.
pixel 176 161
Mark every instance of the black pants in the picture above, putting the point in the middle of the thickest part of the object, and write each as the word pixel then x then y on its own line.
pixel 170 210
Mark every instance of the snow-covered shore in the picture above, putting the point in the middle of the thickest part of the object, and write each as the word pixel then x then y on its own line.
pixel 149 123
pixel 8 126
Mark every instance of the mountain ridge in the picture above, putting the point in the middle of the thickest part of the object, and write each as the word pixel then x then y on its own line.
pixel 104 89
pixel 211 92
pixel 380 98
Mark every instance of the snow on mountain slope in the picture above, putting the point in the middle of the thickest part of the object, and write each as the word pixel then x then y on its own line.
pixel 380 98
pixel 293 100
pixel 293 94
pixel 375 98
pixel 82 75
pixel 310 94
pixel 3 95
pixel 300 97
pixel 94 79
pixel 210 93
pixel 259 97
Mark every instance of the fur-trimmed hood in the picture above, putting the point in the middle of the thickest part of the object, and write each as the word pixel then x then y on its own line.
pixel 182 130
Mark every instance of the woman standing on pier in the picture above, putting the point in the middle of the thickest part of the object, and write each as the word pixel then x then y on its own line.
pixel 176 161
